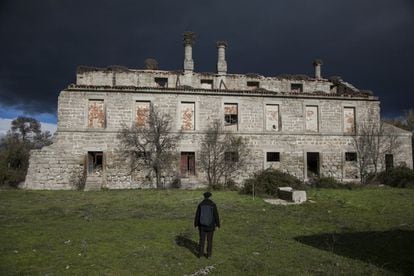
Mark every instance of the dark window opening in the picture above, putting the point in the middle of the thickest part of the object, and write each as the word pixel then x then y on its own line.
pixel 161 82
pixel 273 157
pixel 253 84
pixel 187 163
pixel 207 82
pixel 389 162
pixel 231 156
pixel 312 164
pixel 95 162
pixel 230 119
pixel 351 156
pixel 296 87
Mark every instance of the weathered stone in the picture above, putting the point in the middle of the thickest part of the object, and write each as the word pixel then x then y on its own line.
pixel 269 114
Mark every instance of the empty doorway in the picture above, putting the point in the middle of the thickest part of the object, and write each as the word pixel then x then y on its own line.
pixel 95 162
pixel 389 162
pixel 312 164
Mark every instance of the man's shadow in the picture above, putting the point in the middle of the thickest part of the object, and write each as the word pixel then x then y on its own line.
pixel 183 241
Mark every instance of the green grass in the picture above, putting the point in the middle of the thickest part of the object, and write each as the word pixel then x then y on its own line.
pixel 148 232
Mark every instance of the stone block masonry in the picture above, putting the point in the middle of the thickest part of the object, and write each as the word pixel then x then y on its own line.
pixel 298 124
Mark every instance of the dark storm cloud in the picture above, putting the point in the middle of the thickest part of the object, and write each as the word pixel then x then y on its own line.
pixel 368 43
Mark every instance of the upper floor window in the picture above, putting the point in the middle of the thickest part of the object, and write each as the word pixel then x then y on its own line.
pixel 96 114
pixel 253 84
pixel 311 118
pixel 231 115
pixel 272 117
pixel 161 82
pixel 349 120
pixel 187 115
pixel 206 84
pixel 296 87
pixel 142 111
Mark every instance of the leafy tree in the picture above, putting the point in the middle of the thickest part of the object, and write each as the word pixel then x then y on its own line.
pixel 25 127
pixel 222 154
pixel 25 134
pixel 152 145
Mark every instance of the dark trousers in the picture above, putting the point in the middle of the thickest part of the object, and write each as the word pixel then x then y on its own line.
pixel 203 235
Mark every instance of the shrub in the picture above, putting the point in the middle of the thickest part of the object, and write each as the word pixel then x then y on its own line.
pixel 267 182
pixel 231 185
pixel 325 182
pixel 401 177
pixel 329 182
pixel 176 182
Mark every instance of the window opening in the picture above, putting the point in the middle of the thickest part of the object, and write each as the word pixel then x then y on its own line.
pixel 253 84
pixel 231 115
pixel 161 82
pixel 273 157
pixel 231 156
pixel 272 117
pixel 349 120
pixel 187 163
pixel 187 116
pixel 206 84
pixel 96 114
pixel 311 119
pixel 351 156
pixel 296 87
pixel 142 111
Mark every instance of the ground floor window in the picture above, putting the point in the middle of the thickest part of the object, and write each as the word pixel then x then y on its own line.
pixel 272 157
pixel 187 163
pixel 350 156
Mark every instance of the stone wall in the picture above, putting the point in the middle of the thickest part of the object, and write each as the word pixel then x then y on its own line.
pixel 55 167
pixel 146 78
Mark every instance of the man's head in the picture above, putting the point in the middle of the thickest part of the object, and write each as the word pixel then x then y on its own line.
pixel 207 194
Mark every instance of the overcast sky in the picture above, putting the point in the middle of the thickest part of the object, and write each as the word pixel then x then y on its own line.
pixel 369 43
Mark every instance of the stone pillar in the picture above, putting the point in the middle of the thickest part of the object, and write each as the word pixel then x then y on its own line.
pixel 221 61
pixel 189 39
pixel 317 63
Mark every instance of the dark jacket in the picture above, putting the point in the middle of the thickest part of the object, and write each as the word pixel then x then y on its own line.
pixel 216 219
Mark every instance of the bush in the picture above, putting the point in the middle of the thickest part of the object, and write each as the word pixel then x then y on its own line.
pixel 401 177
pixel 231 185
pixel 266 182
pixel 329 182
pixel 176 182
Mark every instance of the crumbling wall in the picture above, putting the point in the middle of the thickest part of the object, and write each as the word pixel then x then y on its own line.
pixel 80 133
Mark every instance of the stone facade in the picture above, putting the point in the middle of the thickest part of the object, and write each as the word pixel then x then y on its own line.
pixel 299 124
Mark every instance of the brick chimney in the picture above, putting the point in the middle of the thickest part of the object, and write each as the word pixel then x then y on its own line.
pixel 221 54
pixel 317 63
pixel 189 40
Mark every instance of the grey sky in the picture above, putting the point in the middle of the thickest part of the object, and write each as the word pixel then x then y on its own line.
pixel 369 43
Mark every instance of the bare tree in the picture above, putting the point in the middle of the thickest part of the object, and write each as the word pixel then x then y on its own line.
pixel 152 145
pixel 372 142
pixel 222 154
pixel 405 122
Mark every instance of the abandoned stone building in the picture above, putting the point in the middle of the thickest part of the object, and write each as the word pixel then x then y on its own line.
pixel 299 124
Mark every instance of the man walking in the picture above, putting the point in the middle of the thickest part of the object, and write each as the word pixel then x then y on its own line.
pixel 206 219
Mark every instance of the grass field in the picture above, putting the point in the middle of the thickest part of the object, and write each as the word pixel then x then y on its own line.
pixel 149 232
